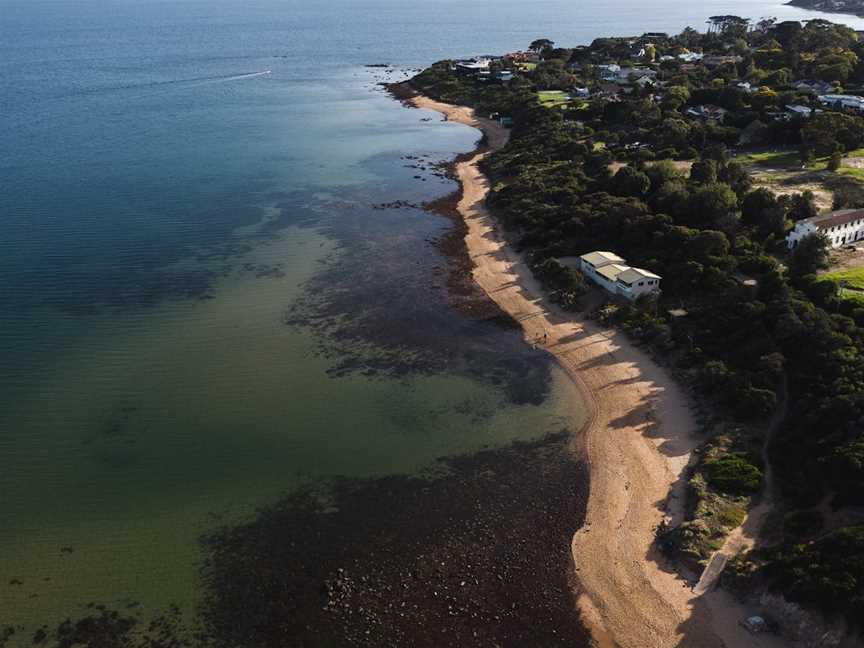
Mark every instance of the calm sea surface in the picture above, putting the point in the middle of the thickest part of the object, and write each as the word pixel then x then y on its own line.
pixel 203 302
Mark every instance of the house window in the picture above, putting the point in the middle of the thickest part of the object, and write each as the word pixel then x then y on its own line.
pixel 641 283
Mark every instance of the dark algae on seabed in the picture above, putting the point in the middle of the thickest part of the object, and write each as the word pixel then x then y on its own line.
pixel 478 555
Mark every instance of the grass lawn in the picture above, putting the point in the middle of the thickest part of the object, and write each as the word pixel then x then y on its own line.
pixel 784 159
pixel 772 159
pixel 527 67
pixel 553 98
pixel 853 296
pixel 853 277
pixel 852 172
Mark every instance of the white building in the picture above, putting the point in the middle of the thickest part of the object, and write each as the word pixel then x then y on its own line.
pixel 635 282
pixel 593 261
pixel 798 111
pixel 609 71
pixel 611 272
pixel 839 227
pixel 707 112
pixel 842 102
pixel 607 276
pixel 473 66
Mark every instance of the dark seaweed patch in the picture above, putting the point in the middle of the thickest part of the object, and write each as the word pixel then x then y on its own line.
pixel 477 557
pixel 398 299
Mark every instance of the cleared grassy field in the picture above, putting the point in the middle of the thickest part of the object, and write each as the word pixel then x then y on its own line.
pixel 776 159
pixel 852 172
pixel 853 278
pixel 553 98
pixel 853 296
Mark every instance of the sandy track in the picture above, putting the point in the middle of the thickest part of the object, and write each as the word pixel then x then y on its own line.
pixel 637 442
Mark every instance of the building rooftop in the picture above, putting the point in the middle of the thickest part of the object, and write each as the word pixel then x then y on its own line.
pixel 612 271
pixel 631 275
pixel 601 258
pixel 835 218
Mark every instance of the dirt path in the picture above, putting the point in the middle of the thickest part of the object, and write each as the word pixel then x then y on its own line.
pixel 637 443
pixel 745 536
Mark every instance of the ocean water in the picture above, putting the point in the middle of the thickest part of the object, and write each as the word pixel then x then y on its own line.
pixel 207 297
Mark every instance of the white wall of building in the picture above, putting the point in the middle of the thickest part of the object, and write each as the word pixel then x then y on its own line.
pixel 837 235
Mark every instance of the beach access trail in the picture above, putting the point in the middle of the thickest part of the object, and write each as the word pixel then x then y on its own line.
pixel 637 442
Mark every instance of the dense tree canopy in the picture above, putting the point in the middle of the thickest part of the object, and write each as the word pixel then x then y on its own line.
pixel 762 334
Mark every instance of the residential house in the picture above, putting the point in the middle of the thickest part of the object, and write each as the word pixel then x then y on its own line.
pixel 691 57
pixel 839 227
pixel 843 102
pixel 745 86
pixel 607 277
pixel 523 57
pixel 645 82
pixel 593 261
pixel 505 76
pixel 814 87
pixel 630 75
pixel 707 112
pixel 610 272
pixel 797 111
pixel 610 90
pixel 717 61
pixel 581 93
pixel 473 66
pixel 609 71
pixel 635 282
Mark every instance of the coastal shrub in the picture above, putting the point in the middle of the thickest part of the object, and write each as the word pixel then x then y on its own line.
pixel 827 573
pixel 693 541
pixel 566 284
pixel 733 474
pixel 802 523
pixel 554 274
pixel 754 402
pixel 731 514
pixel 714 374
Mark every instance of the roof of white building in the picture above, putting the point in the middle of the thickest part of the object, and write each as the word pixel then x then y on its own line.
pixel 631 275
pixel 612 271
pixel 601 258
pixel 846 99
pixel 832 219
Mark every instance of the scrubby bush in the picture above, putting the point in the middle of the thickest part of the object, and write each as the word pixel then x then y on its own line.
pixel 733 474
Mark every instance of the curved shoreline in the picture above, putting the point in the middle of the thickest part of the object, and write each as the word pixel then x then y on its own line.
pixel 637 442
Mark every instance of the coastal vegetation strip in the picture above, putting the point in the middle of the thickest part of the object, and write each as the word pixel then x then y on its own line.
pixel 624 394
pixel 739 314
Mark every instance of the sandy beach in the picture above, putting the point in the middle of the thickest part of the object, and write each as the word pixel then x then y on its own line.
pixel 637 442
